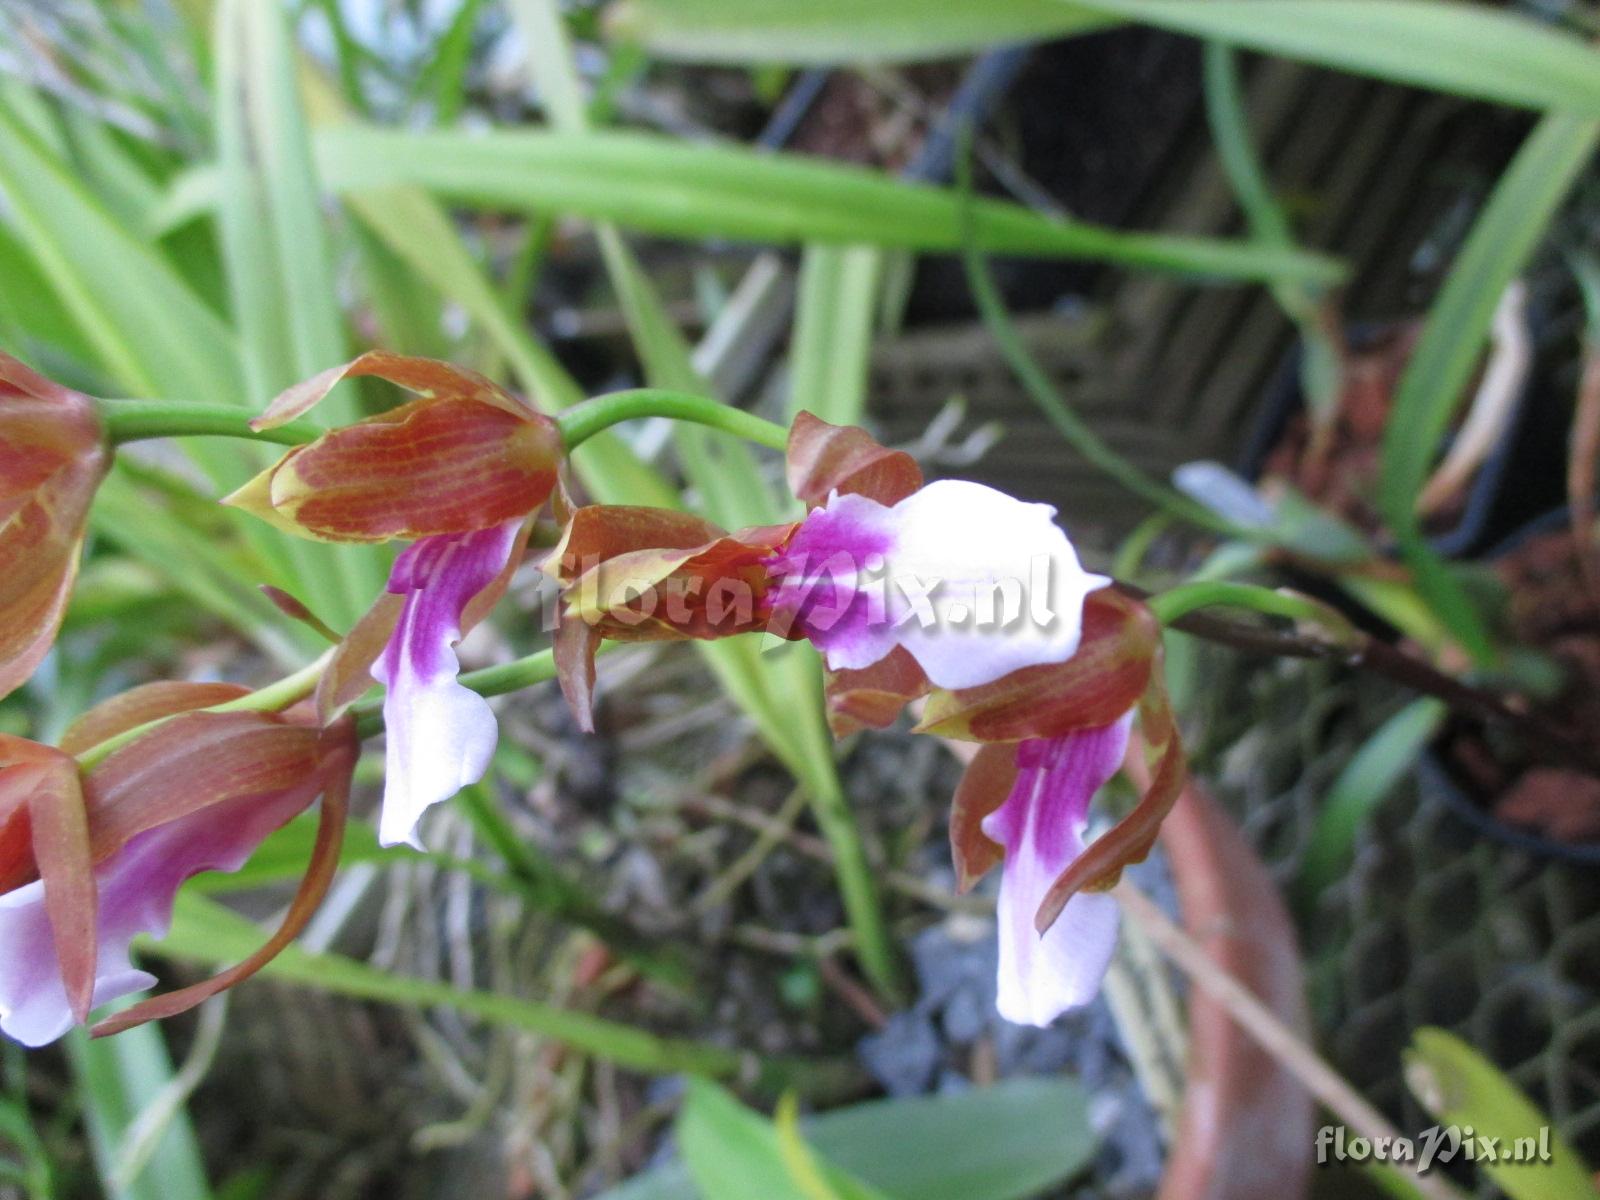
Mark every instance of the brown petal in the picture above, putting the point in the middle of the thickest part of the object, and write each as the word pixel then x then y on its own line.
pixel 1094 687
pixel 710 591
pixel 446 464
pixel 425 376
pixel 873 697
pixel 193 761
pixel 824 458
pixel 41 799
pixel 71 899
pixel 52 458
pixel 349 671
pixel 984 787
pixel 598 532
pixel 337 766
pixel 141 705
pixel 576 643
pixel 1130 839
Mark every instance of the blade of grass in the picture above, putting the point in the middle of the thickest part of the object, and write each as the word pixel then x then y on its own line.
pixel 1459 1086
pixel 1043 392
pixel 278 254
pixel 1468 49
pixel 826 32
pixel 149 331
pixel 658 184
pixel 766 687
pixel 832 343
pixel 1304 305
pixel 1365 780
pixel 205 932
pixel 1502 240
pixel 413 225
pixel 117 1078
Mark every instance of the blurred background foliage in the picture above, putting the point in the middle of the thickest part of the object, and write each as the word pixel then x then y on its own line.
pixel 821 206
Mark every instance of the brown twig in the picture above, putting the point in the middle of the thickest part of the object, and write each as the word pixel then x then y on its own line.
pixel 1367 653
pixel 1286 1046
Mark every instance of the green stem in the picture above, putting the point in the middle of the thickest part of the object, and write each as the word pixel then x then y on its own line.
pixel 582 421
pixel 1179 602
pixel 539 882
pixel 138 420
pixel 491 681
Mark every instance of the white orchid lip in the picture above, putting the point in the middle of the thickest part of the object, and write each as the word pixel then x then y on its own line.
pixel 1041 825
pixel 137 888
pixel 973 583
pixel 440 736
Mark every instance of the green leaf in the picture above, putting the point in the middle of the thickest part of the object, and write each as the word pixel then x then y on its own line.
pixel 419 232
pixel 205 932
pixel 1459 1086
pixel 825 32
pixel 734 493
pixel 117 1078
pixel 734 1154
pixel 1469 49
pixel 661 185
pixel 1434 384
pixel 1367 778
pixel 280 266
pixel 1008 1141
pixel 833 325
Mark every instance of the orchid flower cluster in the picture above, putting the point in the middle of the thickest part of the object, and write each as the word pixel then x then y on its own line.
pixel 950 597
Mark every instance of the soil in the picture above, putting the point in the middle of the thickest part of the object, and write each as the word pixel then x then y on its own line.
pixel 1551 610
pixel 1341 475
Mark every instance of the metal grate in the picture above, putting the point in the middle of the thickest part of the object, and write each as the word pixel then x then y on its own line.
pixel 1431 925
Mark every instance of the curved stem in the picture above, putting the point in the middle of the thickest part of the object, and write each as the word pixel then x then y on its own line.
pixel 1176 603
pixel 491 681
pixel 138 420
pixel 582 421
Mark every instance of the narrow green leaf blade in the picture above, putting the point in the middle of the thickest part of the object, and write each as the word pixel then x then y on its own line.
pixel 1504 237
pixel 826 32
pixel 1459 1086
pixel 832 344
pixel 1468 49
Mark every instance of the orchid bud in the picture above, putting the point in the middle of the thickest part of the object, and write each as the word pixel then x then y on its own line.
pixel 196 791
pixel 465 455
pixel 649 574
pixel 52 458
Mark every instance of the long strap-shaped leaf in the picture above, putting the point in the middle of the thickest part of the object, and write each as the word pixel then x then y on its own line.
pixel 1469 49
pixel 1434 384
pixel 663 185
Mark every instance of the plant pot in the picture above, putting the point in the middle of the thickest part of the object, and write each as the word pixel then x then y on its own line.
pixel 1520 477
pixel 1558 627
pixel 1246 1129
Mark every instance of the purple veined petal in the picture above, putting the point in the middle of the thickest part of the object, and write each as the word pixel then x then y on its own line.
pixel 972 582
pixel 440 736
pixel 1041 826
pixel 137 886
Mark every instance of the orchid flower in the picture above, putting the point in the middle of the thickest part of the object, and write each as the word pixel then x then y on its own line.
pixel 1053 736
pixel 52 458
pixel 957 583
pixel 461 471
pixel 91 860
